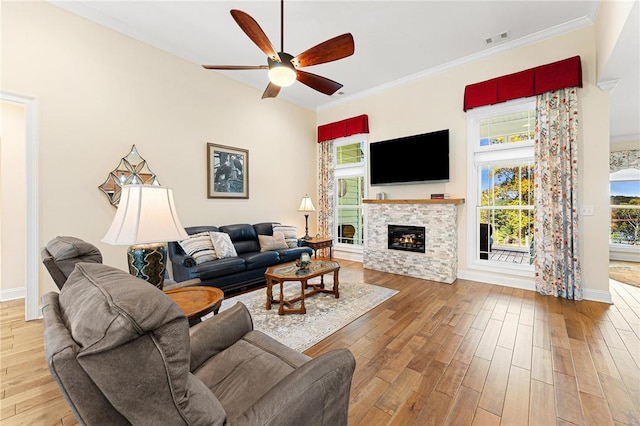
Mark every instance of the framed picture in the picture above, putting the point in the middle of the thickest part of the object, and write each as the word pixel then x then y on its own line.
pixel 227 172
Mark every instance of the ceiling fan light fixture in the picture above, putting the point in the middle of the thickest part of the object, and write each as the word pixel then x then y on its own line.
pixel 282 75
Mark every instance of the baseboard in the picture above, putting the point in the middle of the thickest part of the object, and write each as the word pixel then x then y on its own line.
pixel 527 284
pixel 597 296
pixel 490 278
pixel 12 293
pixel 347 255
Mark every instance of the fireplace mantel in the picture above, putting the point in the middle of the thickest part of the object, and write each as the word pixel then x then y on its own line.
pixel 417 201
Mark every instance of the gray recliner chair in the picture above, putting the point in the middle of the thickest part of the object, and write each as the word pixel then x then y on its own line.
pixel 123 353
pixel 61 254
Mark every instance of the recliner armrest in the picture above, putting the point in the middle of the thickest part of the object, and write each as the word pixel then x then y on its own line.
pixel 315 393
pixel 218 333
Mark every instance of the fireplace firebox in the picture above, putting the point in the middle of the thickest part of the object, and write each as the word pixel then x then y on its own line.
pixel 406 237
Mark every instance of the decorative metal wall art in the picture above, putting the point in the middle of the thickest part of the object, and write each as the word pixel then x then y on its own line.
pixel 132 170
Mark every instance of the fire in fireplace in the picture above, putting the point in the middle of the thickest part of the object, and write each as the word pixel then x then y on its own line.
pixel 406 237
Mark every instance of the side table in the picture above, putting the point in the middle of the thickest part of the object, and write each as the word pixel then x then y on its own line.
pixel 197 301
pixel 319 243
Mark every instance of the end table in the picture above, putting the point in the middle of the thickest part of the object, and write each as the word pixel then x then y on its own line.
pixel 319 243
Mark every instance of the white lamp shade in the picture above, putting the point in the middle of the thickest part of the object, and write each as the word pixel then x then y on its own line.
pixel 306 205
pixel 146 214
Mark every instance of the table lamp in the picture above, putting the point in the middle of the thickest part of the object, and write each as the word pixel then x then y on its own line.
pixel 306 206
pixel 145 220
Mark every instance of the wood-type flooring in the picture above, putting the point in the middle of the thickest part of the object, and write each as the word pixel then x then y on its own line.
pixel 461 354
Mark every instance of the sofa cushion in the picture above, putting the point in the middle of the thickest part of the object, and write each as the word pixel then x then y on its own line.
pixel 200 247
pixel 220 267
pixel 291 254
pixel 223 245
pixel 191 230
pixel 259 259
pixel 272 242
pixel 112 316
pixel 264 228
pixel 244 237
pixel 290 234
pixel 242 373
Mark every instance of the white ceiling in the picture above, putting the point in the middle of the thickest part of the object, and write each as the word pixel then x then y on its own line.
pixel 395 41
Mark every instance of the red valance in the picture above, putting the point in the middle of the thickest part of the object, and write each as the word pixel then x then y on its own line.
pixel 531 82
pixel 343 128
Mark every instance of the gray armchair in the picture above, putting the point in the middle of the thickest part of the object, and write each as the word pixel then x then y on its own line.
pixel 61 254
pixel 123 353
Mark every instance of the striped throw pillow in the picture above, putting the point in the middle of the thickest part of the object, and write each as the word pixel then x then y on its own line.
pixel 290 234
pixel 200 247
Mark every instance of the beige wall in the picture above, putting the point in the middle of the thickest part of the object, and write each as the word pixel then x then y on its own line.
pixel 100 92
pixel 12 197
pixel 435 103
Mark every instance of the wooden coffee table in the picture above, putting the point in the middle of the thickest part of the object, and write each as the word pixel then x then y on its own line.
pixel 290 272
pixel 197 301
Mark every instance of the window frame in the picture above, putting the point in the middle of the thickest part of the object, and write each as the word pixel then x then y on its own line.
pixel 477 155
pixel 619 251
pixel 345 171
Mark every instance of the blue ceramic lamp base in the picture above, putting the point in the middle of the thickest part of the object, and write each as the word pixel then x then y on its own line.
pixel 147 261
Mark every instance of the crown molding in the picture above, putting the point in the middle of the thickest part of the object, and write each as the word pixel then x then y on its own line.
pixel 548 33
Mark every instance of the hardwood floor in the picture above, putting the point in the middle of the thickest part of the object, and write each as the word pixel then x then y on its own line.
pixel 461 354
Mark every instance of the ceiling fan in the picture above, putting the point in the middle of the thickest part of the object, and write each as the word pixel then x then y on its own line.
pixel 284 69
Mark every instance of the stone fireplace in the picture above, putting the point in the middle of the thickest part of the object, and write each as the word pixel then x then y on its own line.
pixel 437 260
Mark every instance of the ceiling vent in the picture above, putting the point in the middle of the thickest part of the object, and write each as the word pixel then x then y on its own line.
pixel 498 38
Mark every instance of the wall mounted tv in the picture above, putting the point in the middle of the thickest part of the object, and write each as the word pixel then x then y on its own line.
pixel 411 159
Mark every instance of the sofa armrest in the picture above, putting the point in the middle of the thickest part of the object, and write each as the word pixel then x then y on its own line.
pixel 315 393
pixel 218 333
pixel 183 260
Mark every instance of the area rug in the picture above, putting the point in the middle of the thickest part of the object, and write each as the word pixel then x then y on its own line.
pixel 325 314
pixel 625 272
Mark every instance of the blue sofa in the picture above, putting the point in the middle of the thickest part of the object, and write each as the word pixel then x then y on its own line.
pixel 232 274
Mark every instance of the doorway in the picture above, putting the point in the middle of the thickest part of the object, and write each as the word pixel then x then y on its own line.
pixel 25 178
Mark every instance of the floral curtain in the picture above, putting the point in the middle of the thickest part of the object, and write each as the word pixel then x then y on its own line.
pixel 326 188
pixel 619 160
pixel 557 266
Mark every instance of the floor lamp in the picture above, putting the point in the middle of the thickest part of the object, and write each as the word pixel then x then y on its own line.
pixel 145 220
pixel 306 206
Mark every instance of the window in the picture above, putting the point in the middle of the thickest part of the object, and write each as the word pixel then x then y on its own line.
pixel 500 185
pixel 625 208
pixel 350 190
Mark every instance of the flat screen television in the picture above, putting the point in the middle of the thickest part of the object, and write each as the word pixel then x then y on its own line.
pixel 410 159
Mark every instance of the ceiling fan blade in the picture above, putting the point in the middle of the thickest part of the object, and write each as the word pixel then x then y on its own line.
pixel 255 33
pixel 271 91
pixel 331 50
pixel 235 67
pixel 319 83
